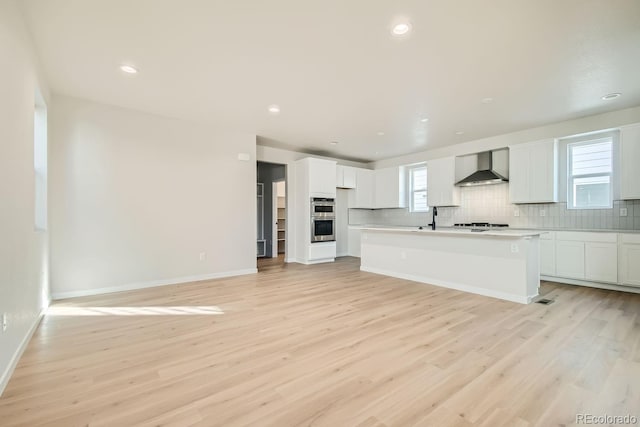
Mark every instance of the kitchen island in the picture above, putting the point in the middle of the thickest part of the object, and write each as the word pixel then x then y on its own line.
pixel 501 264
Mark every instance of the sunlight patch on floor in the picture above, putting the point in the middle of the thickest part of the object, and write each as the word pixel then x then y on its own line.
pixel 134 311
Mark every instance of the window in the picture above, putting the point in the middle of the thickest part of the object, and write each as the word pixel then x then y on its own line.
pixel 418 188
pixel 590 174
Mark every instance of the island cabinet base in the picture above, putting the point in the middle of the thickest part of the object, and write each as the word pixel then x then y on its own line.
pixel 505 267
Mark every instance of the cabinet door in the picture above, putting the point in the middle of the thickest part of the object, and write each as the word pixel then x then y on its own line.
pixel 354 242
pixel 339 176
pixel 570 259
pixel 542 172
pixel 601 262
pixel 630 264
pixel 547 257
pixel 519 174
pixel 322 177
pixel 389 188
pixel 629 161
pixel 348 177
pixel 441 189
pixel 364 189
pixel 533 172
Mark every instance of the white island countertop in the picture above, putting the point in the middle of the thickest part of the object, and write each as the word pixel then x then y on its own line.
pixel 492 232
pixel 499 263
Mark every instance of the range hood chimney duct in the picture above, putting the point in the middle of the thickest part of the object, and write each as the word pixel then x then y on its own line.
pixel 485 175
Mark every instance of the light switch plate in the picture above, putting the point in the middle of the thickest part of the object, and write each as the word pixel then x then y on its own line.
pixel 516 212
pixel 623 211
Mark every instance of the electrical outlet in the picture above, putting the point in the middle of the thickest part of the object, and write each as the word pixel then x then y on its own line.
pixel 543 212
pixel 203 256
pixel 516 212
pixel 515 248
pixel 623 211
pixel 4 322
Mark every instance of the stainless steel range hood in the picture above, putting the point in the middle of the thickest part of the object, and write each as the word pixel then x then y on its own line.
pixel 485 175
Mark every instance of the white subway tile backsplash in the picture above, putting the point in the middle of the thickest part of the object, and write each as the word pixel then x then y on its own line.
pixel 491 204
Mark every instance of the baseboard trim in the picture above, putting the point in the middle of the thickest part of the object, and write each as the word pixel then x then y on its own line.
pixel 315 261
pixel 6 375
pixel 451 285
pixel 151 284
pixel 597 285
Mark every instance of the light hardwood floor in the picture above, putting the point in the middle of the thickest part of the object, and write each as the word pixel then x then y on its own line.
pixel 328 345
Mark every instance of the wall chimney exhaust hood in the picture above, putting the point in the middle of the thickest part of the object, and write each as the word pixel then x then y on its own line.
pixel 485 173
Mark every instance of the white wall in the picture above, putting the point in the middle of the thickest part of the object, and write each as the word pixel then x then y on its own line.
pixel 556 130
pixel 23 251
pixel 286 157
pixel 135 198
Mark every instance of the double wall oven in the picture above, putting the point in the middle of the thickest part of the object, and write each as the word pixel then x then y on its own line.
pixel 323 219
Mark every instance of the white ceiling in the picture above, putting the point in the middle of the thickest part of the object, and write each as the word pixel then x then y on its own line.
pixel 337 73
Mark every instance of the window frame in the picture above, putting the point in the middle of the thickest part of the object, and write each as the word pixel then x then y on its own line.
pixel 571 177
pixel 412 191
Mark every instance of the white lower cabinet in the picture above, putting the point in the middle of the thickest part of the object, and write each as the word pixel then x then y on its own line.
pixel 601 262
pixel 570 259
pixel 547 255
pixel 629 256
pixel 590 256
pixel 353 247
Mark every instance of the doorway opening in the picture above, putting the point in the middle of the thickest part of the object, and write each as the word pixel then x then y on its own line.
pixel 272 214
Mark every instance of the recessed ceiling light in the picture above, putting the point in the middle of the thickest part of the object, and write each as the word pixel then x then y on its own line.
pixel 487 100
pixel 380 133
pixel 401 29
pixel 611 96
pixel 424 120
pixel 459 132
pixel 273 109
pixel 129 69
pixel 334 143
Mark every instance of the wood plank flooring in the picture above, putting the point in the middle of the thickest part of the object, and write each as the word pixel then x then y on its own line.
pixel 327 345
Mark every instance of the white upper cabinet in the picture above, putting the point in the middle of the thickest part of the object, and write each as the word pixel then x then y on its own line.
pixel 389 188
pixel 630 162
pixel 363 196
pixel 441 177
pixel 346 177
pixel 320 176
pixel 533 172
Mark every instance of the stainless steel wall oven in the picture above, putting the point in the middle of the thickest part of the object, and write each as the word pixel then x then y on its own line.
pixel 323 219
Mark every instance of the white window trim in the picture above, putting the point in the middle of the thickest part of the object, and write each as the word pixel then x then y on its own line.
pixel 412 191
pixel 571 177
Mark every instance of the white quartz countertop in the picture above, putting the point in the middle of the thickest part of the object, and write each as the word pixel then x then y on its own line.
pixel 506 233
pixel 499 230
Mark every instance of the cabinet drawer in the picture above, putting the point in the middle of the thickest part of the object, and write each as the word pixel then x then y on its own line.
pixel 630 238
pixel 585 236
pixel 322 250
pixel 550 235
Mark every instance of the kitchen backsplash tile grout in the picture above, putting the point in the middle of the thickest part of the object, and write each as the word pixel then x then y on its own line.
pixel 491 204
